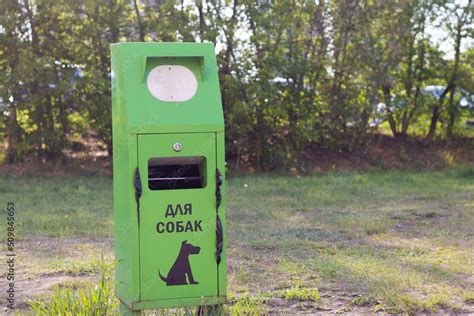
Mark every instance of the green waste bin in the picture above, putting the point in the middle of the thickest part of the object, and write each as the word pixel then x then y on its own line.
pixel 168 165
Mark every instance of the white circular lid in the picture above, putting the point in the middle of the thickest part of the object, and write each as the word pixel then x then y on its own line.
pixel 172 83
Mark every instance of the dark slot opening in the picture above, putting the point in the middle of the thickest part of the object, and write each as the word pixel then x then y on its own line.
pixel 174 173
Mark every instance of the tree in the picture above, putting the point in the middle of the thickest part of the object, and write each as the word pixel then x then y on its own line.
pixel 294 74
pixel 10 43
pixel 457 17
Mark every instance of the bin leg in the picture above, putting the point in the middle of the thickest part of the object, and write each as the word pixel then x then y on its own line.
pixel 126 311
pixel 210 310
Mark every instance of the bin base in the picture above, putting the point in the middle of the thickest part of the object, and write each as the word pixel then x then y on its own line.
pixel 181 302
pixel 210 310
pixel 126 311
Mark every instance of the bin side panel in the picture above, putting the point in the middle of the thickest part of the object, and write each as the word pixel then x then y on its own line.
pixel 124 162
pixel 222 268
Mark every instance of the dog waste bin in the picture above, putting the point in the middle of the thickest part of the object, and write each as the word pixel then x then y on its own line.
pixel 168 165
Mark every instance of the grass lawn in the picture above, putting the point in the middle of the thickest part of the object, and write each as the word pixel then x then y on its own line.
pixel 340 242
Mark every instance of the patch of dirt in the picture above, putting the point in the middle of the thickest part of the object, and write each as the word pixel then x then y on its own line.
pixel 30 287
pixel 335 297
pixel 36 256
pixel 332 301
pixel 388 153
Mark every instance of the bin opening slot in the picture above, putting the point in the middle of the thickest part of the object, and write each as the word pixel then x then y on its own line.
pixel 174 173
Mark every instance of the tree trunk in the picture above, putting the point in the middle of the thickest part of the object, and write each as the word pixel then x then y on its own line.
pixel 12 127
pixel 202 22
pixel 408 88
pixel 462 23
pixel 36 86
pixel 434 121
pixel 13 135
pixel 452 108
pixel 436 112
pixel 405 123
pixel 386 88
pixel 52 150
pixel 141 30
pixel 452 114
pixel 114 30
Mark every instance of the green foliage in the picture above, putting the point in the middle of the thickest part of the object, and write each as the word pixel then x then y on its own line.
pixel 302 294
pixel 96 299
pixel 293 74
pixel 246 304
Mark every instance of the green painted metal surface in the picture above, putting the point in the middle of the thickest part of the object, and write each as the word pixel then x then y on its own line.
pixel 166 249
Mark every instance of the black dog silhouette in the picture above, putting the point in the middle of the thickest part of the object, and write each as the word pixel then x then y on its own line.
pixel 181 267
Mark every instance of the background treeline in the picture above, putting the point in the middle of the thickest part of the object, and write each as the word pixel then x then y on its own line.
pixel 294 74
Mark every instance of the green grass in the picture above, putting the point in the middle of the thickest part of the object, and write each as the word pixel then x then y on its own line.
pixel 60 206
pixel 91 300
pixel 404 238
pixel 398 241
pixel 301 294
pixel 246 304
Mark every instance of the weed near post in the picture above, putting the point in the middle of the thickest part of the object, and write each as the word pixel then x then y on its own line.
pixel 93 300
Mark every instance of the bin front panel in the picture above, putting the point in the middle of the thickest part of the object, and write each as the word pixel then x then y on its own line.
pixel 177 216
